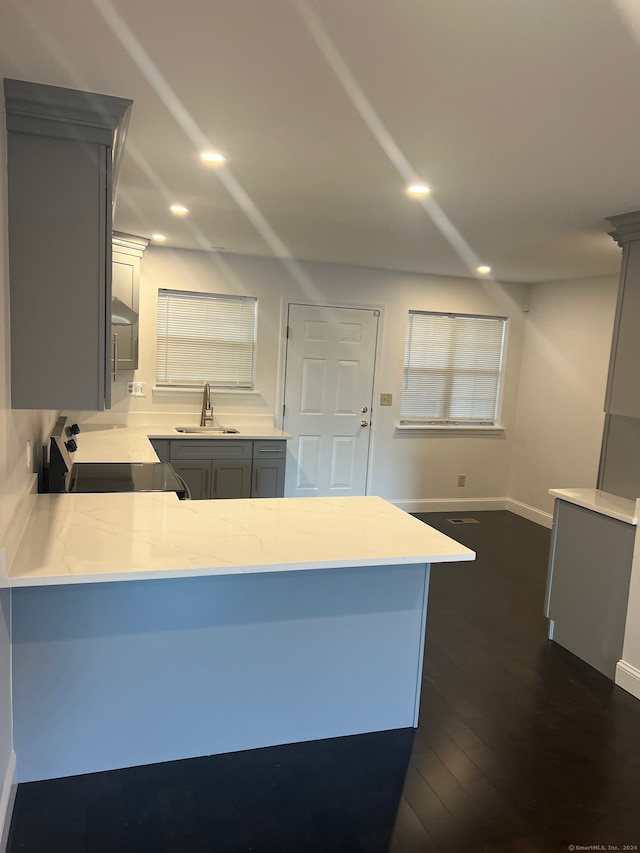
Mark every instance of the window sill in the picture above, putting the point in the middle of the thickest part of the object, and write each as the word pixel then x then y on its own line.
pixel 450 429
pixel 196 391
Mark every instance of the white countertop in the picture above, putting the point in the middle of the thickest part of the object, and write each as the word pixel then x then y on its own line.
pixel 89 538
pixel 119 443
pixel 603 502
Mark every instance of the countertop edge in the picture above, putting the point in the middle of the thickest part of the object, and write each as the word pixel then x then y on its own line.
pixel 226 571
pixel 604 503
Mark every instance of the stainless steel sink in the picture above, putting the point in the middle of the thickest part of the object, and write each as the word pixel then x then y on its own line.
pixel 208 429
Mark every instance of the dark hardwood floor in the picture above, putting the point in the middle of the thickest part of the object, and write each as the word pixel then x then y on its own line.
pixel 521 747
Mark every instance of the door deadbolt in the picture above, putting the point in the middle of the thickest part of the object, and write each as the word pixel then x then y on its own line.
pixel 364 423
pixel 364 409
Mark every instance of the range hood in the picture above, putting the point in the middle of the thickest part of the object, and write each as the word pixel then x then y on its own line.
pixel 121 314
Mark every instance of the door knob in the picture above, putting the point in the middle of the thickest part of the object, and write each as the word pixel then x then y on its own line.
pixel 364 423
pixel 364 409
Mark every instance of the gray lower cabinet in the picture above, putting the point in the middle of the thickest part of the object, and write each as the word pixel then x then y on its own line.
pixel 231 479
pixel 588 584
pixel 208 479
pixel 197 476
pixel 269 459
pixel 227 468
pixel 162 447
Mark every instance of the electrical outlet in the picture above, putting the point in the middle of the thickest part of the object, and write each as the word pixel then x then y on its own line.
pixel 135 389
pixel 462 479
pixel 386 399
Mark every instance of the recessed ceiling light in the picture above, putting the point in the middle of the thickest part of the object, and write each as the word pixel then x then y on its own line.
pixel 179 209
pixel 158 237
pixel 212 157
pixel 484 269
pixel 419 189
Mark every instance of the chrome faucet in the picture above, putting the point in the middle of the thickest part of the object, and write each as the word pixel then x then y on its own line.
pixel 207 412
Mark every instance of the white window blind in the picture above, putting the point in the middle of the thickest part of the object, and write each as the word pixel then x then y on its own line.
pixel 205 337
pixel 452 369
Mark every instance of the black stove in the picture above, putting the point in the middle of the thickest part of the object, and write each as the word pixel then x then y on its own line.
pixel 124 477
pixel 64 475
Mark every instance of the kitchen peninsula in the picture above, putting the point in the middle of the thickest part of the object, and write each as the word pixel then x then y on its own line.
pixel 147 629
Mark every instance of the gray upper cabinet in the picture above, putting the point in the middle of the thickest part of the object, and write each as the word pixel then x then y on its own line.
pixel 619 471
pixel 623 397
pixel 60 151
pixel 125 287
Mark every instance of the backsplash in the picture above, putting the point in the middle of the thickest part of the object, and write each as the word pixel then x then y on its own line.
pixel 230 418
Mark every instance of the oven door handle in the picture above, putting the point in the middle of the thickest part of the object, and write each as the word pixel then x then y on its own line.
pixel 183 483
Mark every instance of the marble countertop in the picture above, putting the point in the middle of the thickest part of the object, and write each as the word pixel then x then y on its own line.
pixel 602 502
pixel 92 538
pixel 119 443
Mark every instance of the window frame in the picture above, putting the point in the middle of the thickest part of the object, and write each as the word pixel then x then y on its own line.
pixel 448 423
pixel 239 386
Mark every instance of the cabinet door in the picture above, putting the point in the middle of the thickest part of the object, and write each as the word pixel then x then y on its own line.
pixel 57 199
pixel 588 584
pixel 197 476
pixel 268 479
pixel 124 286
pixel 231 479
pixel 59 156
pixel 269 459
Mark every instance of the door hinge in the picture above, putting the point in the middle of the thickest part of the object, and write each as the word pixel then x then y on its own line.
pixel 288 335
pixel 283 408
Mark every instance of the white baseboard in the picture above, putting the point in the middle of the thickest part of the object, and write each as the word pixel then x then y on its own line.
pixel 530 512
pixel 451 504
pixel 628 677
pixel 7 799
pixel 460 505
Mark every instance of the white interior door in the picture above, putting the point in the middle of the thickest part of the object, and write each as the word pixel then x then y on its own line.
pixel 327 398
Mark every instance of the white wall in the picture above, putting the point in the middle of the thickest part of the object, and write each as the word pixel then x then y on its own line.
pixel 16 481
pixel 557 365
pixel 561 387
pixel 408 469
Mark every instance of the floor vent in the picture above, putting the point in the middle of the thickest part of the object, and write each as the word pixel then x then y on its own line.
pixel 463 521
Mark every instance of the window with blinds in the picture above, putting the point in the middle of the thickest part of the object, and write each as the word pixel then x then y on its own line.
pixel 453 369
pixel 205 337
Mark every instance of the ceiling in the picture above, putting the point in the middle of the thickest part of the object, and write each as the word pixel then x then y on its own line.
pixel 521 115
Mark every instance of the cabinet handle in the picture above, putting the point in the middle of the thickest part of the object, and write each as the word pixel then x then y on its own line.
pixel 115 356
pixel 267 450
pixel 207 476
